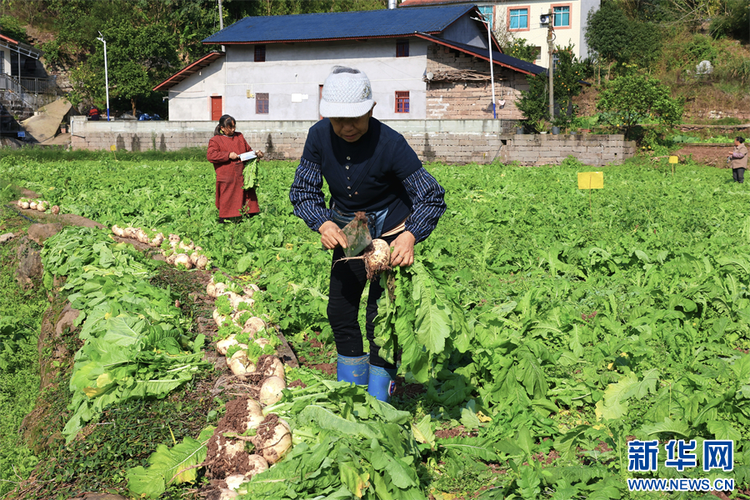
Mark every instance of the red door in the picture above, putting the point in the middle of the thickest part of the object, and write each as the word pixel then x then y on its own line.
pixel 216 108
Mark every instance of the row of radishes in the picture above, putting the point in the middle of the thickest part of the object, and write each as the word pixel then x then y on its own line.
pixel 37 204
pixel 178 252
pixel 273 438
pixel 270 437
pixel 252 326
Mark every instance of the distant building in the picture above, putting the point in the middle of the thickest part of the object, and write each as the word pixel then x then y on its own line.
pixel 424 63
pixel 24 83
pixel 521 19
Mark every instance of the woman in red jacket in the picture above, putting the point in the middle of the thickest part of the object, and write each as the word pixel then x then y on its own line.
pixel 224 150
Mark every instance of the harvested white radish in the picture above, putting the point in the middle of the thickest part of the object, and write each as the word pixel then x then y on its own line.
pixel 237 317
pixel 235 481
pixel 253 326
pixel 141 235
pixel 183 260
pixel 377 259
pixel 231 296
pixel 55 209
pixel 129 232
pixel 254 416
pixel 258 464
pixel 223 346
pixel 186 246
pixel 118 231
pixel 270 391
pixel 253 407
pixel 240 364
pixel 171 258
pixel 33 204
pixel 173 240
pixel 225 494
pixel 219 319
pixel 274 439
pixel 25 204
pixel 202 262
pixel 273 367
pixel 261 341
pixel 237 300
pixel 156 240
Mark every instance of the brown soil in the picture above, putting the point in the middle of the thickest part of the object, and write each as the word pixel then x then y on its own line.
pixel 714 155
pixel 459 431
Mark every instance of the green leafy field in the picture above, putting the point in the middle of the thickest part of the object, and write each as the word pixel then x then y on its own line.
pixel 590 318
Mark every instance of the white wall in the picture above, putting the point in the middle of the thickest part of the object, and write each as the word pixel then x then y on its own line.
pixel 292 75
pixel 190 99
pixel 537 33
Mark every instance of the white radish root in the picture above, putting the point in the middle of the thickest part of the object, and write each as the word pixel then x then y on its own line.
pixel 270 391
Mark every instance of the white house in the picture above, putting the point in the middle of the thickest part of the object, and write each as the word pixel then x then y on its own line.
pixel 523 19
pixel 424 63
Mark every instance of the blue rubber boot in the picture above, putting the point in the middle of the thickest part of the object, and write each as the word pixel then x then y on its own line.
pixel 381 383
pixel 353 369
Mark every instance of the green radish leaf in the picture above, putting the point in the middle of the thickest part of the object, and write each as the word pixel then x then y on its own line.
pixel 668 426
pixel 724 430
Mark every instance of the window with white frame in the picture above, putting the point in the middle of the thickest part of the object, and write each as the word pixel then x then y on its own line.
pixel 519 19
pixel 561 16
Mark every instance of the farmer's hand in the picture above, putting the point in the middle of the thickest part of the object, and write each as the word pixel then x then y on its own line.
pixel 331 236
pixel 402 253
pixel 259 154
pixel 233 155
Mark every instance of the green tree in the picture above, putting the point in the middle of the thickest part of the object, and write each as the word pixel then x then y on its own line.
pixel 534 103
pixel 567 77
pixel 11 27
pixel 732 21
pixel 518 49
pixel 138 57
pixel 631 99
pixel 619 39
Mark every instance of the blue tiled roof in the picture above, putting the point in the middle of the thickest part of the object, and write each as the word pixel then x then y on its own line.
pixel 497 57
pixel 339 25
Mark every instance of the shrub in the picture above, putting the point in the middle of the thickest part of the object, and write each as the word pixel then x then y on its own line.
pixel 632 99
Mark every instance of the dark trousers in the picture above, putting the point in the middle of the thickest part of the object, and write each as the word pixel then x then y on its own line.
pixel 348 280
pixel 738 174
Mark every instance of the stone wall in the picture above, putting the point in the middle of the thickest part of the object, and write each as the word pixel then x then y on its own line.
pixel 546 149
pixel 447 141
pixel 461 87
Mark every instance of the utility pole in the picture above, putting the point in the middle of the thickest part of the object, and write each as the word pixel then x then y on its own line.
pixel 492 65
pixel 221 22
pixel 106 73
pixel 551 48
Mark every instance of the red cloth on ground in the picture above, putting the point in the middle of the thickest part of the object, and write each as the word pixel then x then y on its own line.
pixel 230 197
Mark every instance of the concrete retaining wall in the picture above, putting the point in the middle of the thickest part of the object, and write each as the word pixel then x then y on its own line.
pixel 447 141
